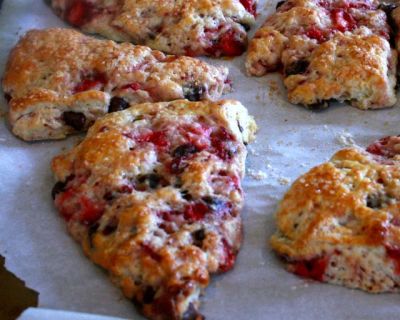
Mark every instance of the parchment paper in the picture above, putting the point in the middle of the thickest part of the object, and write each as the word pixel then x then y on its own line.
pixel 291 140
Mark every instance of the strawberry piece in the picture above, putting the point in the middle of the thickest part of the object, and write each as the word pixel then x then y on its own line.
pixel 81 208
pixel 133 86
pixel 386 147
pixel 96 81
pixel 223 143
pixel 90 212
pixel 313 268
pixel 227 45
pixel 315 33
pixel 394 254
pixel 79 13
pixel 250 6
pixel 149 251
pixel 158 138
pixel 342 20
pixel 196 211
pixel 230 257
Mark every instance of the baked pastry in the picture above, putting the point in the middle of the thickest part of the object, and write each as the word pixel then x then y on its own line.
pixel 328 50
pixel 340 222
pixel 58 81
pixel 185 27
pixel 153 195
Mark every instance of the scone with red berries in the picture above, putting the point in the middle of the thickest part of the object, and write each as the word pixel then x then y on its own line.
pixel 59 81
pixel 340 222
pixel 184 27
pixel 153 194
pixel 328 50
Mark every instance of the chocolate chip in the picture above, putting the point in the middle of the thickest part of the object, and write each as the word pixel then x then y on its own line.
pixel 297 67
pixel 280 3
pixel 75 120
pixel 7 97
pixel 245 26
pixel 186 195
pixel 58 188
pixel 91 232
pixel 374 201
pixel 184 150
pixel 198 237
pixel 111 227
pixel 193 92
pixel 153 180
pixel 148 295
pixel 192 314
pixel 117 104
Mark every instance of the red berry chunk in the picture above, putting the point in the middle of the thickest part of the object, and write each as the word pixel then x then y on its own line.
pixel 223 143
pixel 342 20
pixel 79 13
pixel 227 45
pixel 250 6
pixel 196 211
pixel 133 86
pixel 96 81
pixel 313 268
pixel 394 254
pixel 77 207
pixel 151 253
pixel 230 257
pixel 315 33
pixel 158 138
pixel 386 147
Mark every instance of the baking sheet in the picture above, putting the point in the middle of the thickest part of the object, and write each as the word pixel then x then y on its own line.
pixel 291 140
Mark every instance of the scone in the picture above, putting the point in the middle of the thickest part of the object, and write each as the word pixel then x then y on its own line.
pixel 59 81
pixel 153 194
pixel 328 50
pixel 340 222
pixel 185 27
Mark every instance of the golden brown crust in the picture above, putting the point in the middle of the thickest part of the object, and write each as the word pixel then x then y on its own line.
pixel 56 70
pixel 191 27
pixel 153 195
pixel 339 222
pixel 329 50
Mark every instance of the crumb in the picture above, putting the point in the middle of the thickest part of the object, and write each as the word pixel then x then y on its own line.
pixel 257 174
pixel 345 139
pixel 284 181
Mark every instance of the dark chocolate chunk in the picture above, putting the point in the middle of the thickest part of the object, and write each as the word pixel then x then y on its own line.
pixel 75 120
pixel 193 92
pixel 117 104
pixel 91 232
pixel 58 188
pixel 297 67
pixel 186 195
pixel 280 3
pixel 184 150
pixel 245 26
pixel 152 180
pixel 198 237
pixel 7 97
pixel 148 295
pixel 374 201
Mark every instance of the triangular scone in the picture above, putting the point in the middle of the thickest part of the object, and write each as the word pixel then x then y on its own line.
pixel 328 50
pixel 59 81
pixel 153 194
pixel 188 27
pixel 340 222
